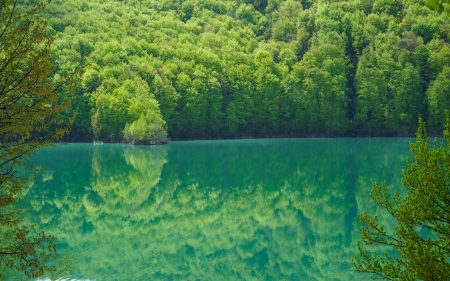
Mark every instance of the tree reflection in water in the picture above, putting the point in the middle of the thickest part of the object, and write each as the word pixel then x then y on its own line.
pixel 223 210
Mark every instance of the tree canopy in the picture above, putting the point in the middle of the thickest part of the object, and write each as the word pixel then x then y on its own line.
pixel 220 69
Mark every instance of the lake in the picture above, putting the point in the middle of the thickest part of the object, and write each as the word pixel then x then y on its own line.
pixel 264 209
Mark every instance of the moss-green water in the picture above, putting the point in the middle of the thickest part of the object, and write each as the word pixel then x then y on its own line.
pixel 276 209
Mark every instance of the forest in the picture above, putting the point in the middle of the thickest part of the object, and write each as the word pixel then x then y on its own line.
pixel 208 69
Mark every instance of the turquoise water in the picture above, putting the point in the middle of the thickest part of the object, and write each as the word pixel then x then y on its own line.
pixel 269 209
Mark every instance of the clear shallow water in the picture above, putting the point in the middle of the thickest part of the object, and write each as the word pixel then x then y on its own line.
pixel 276 209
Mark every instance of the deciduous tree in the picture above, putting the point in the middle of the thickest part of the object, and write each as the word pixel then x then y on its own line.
pixel 32 114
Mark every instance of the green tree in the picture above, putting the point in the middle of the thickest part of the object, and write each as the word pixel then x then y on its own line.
pixel 421 237
pixel 32 114
pixel 167 96
pixel 267 91
pixel 149 128
pixel 439 98
pixel 384 6
pixel 239 111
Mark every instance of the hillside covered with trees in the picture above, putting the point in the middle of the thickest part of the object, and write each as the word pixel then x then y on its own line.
pixel 262 68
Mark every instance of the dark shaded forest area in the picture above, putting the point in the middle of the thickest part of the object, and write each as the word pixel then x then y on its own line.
pixel 201 69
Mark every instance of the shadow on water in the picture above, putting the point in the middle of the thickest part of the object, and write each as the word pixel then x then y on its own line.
pixel 277 209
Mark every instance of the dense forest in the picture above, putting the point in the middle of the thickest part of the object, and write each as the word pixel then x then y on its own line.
pixel 201 69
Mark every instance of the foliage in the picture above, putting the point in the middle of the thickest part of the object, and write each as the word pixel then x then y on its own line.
pixel 33 114
pixel 438 95
pixel 254 68
pixel 149 128
pixel 421 236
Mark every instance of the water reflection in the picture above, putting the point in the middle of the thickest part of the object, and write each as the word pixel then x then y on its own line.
pixel 121 184
pixel 222 210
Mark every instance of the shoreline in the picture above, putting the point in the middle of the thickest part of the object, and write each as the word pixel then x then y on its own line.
pixel 240 138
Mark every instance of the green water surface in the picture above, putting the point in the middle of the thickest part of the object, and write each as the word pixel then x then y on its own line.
pixel 273 209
